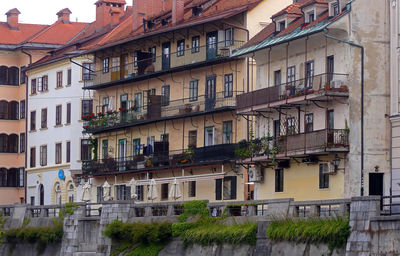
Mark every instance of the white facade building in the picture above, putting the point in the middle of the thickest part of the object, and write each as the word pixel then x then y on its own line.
pixel 55 102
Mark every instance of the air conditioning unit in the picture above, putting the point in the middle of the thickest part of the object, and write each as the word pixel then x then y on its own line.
pixel 336 83
pixel 256 174
pixel 328 168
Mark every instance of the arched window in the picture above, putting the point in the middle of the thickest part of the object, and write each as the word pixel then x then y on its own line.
pixel 3 177
pixel 3 109
pixel 57 192
pixel 3 75
pixel 12 176
pixel 13 143
pixel 3 143
pixel 71 189
pixel 13 108
pixel 13 76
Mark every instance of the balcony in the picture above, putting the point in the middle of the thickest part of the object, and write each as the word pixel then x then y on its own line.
pixel 147 66
pixel 297 145
pixel 296 92
pixel 160 159
pixel 158 110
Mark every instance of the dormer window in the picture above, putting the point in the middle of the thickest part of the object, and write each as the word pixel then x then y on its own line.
pixel 334 8
pixel 196 11
pixel 164 22
pixel 150 24
pixel 310 17
pixel 282 25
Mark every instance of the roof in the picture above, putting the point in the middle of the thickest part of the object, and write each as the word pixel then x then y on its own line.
pixel 297 29
pixel 291 9
pixel 15 37
pixel 310 2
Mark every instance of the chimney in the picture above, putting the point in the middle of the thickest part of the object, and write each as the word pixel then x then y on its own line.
pixel 178 10
pixel 105 9
pixel 115 15
pixel 63 15
pixel 12 18
pixel 139 13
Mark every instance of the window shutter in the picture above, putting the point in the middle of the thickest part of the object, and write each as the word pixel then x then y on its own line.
pixel 233 187
pixel 218 189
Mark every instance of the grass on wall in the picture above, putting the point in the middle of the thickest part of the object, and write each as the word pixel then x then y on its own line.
pixel 333 232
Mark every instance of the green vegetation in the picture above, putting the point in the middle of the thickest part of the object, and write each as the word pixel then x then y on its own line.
pixel 69 209
pixel 333 232
pixel 146 249
pixel 208 230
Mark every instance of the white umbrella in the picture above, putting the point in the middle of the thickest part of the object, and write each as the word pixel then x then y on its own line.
pixel 86 192
pixel 133 183
pixel 106 191
pixel 152 193
pixel 175 191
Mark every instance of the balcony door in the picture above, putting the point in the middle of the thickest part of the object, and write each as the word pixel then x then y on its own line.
pixel 210 95
pixel 309 74
pixel 41 194
pixel 166 55
pixel 115 69
pixel 124 66
pixel 212 45
pixel 121 154
pixel 124 107
pixel 209 136
pixel 330 119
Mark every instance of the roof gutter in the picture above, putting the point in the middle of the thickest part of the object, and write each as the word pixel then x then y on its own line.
pixel 325 33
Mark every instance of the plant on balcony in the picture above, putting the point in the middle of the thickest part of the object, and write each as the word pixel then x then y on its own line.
pixel 109 164
pixel 327 86
pixel 188 156
pixel 148 163
pixel 134 108
pixel 88 117
pixel 243 151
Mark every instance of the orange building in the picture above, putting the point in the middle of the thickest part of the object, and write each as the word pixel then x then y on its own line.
pixel 21 45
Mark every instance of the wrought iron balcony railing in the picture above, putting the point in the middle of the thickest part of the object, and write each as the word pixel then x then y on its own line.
pixel 313 85
pixel 163 159
pixel 158 109
pixel 146 64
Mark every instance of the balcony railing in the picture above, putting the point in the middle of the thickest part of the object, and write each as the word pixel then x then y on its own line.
pixel 158 110
pixel 163 159
pixel 326 140
pixel 147 64
pixel 323 83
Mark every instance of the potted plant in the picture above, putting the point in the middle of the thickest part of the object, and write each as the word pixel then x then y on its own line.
pixel 327 86
pixel 343 88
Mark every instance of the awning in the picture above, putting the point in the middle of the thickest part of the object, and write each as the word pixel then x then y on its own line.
pixel 212 176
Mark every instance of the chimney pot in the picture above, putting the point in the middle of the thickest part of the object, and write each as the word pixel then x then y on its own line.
pixel 139 13
pixel 12 18
pixel 63 15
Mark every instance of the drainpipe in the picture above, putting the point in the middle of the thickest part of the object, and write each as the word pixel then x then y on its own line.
pixel 26 127
pixel 325 33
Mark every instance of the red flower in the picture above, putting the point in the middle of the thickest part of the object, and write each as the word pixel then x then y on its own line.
pixel 121 109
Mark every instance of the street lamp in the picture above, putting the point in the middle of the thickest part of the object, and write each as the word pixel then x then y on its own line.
pixel 336 162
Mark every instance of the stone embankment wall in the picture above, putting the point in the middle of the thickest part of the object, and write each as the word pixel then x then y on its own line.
pixel 372 232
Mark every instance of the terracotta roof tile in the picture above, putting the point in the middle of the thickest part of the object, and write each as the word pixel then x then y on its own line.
pixel 14 37
pixel 291 9
pixel 261 36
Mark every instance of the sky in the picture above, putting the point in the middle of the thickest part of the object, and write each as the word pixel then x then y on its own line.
pixel 44 11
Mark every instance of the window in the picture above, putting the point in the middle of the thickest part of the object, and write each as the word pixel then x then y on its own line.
pixel 33 157
pixel 104 148
pixel 135 58
pixel 33 86
pixel 180 51
pixel 45 83
pixel 33 120
pixel 227 132
pixel 13 110
pixel 229 187
pixel 193 90
pixel 58 153
pixel 87 107
pixel 23 75
pixel 9 75
pixel 11 177
pixel 138 101
pixel 59 79
pixel 193 139
pixel 21 177
pixel 69 77
pixel 68 152
pixel 43 155
pixel 323 178
pixel 43 119
pixel 100 194
pixel 330 68
pixel 106 65
pixel 68 113
pixel 22 143
pixel 58 114
pixel 334 9
pixel 136 146
pixel 195 44
pixel 279 180
pixel 228 85
pixel 309 73
pixel 39 84
pixel 140 192
pixel 3 110
pixel 209 136
pixel 164 191
pixel 165 93
pixel 22 109
pixel 104 107
pixel 309 122
pixel 282 25
pixel 71 190
pixel 86 153
pixel 229 37
pixel 291 126
pixel 153 51
pixel 291 75
pixel 192 188
pixel 277 77
pixel 311 16
pixel 87 71
pixel 122 192
pixel 9 143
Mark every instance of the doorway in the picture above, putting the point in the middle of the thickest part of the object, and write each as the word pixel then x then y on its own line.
pixel 121 154
pixel 212 41
pixel 376 184
pixel 210 94
pixel 166 56
pixel 41 194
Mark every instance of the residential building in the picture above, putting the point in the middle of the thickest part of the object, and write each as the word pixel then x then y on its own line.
pixel 56 104
pixel 320 102
pixel 165 88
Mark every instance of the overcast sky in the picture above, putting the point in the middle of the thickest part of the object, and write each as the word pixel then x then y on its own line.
pixel 44 11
